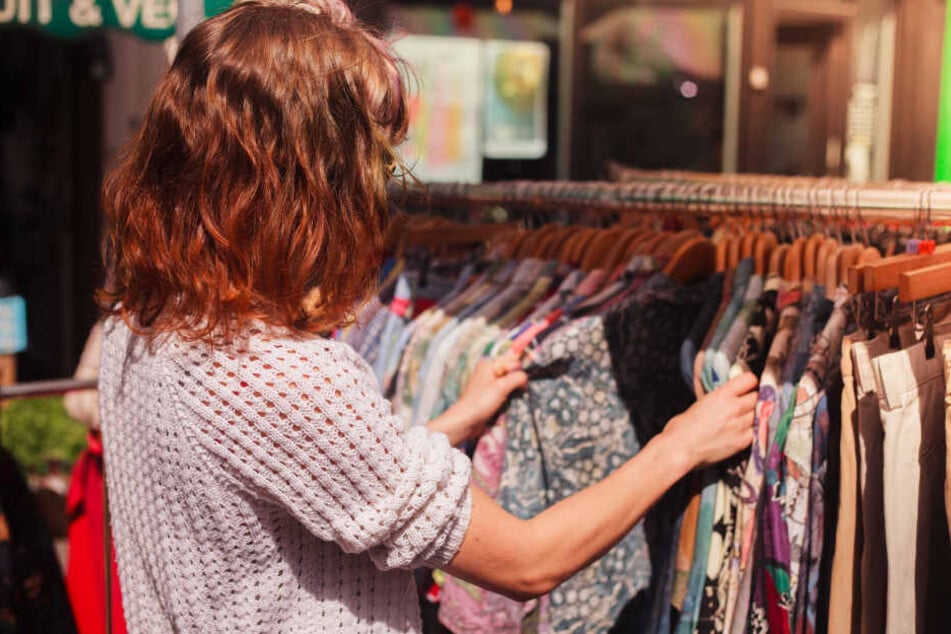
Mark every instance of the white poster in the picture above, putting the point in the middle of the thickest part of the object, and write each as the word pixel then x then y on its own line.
pixel 516 105
pixel 445 89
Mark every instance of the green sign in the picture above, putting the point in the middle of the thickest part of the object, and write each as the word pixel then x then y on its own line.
pixel 149 19
pixel 943 149
pixel 214 7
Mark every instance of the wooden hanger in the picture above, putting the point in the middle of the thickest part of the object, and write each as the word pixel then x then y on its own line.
pixel 733 252
pixel 924 283
pixel 556 242
pixel 884 273
pixel 597 249
pixel 548 243
pixel 571 245
pixel 793 267
pixel 848 267
pixel 692 259
pixel 765 245
pixel 810 256
pixel 453 235
pixel 748 244
pixel 722 239
pixel 669 246
pixel 647 246
pixel 777 260
pixel 634 247
pixel 616 254
pixel 825 259
pixel 531 246
pixel 579 249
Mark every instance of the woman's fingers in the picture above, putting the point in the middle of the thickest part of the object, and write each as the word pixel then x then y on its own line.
pixel 742 384
pixel 748 403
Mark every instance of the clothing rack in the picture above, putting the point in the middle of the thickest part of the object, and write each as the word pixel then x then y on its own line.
pixel 53 387
pixel 895 201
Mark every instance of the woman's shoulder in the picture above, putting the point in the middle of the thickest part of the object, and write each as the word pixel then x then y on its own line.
pixel 256 356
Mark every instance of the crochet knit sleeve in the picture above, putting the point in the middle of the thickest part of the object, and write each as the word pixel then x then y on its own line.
pixel 303 425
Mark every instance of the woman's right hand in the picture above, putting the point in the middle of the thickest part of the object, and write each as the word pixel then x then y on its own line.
pixel 718 425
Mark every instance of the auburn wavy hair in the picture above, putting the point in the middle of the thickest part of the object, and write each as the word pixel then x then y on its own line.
pixel 255 188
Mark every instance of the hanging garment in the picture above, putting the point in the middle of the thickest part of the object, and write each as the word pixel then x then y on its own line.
pixel 815 329
pixel 646 335
pixel 911 390
pixel 85 574
pixel 871 599
pixel 748 545
pixel 567 432
pixel 715 518
pixel 465 608
pixel 806 470
pixel 785 501
pixel 846 581
pixel 39 603
pixel 729 475
pixel 399 312
pixel 686 553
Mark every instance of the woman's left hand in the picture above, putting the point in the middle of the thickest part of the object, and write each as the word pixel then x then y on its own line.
pixel 489 386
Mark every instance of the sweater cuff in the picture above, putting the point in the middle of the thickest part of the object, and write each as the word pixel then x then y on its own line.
pixel 456 530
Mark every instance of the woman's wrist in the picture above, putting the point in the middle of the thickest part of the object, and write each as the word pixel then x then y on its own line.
pixel 456 423
pixel 676 450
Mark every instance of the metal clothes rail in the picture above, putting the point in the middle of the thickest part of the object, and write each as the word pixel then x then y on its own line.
pixel 51 387
pixel 730 194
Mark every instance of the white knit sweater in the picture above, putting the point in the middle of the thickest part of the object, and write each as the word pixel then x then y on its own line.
pixel 265 487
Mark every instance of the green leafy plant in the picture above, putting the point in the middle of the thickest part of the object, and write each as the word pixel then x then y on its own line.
pixel 39 431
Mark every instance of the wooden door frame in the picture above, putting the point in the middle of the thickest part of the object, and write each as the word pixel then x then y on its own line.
pixel 761 21
pixel 915 95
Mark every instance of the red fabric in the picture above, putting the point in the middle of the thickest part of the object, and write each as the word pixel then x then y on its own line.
pixel 422 304
pixel 777 617
pixel 85 575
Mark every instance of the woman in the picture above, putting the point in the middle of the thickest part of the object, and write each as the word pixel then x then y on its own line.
pixel 257 479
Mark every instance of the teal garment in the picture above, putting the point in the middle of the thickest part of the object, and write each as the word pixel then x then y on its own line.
pixel 690 614
pixel 701 552
pixel 741 279
pixel 729 347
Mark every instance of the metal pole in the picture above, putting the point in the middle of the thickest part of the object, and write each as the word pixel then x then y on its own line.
pixel 45 388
